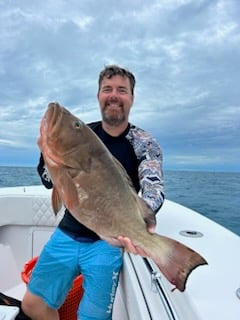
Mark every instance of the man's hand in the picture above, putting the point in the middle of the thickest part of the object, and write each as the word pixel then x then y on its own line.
pixel 130 247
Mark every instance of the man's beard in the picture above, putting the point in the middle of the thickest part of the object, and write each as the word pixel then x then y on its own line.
pixel 113 120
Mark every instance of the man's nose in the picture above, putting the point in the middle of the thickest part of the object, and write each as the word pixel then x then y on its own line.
pixel 114 94
pixel 113 98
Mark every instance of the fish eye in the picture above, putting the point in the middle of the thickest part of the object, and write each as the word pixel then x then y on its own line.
pixel 78 124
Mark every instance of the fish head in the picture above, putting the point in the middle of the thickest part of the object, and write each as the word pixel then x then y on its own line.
pixel 62 137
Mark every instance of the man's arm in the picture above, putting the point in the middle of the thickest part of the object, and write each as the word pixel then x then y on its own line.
pixel 151 183
pixel 43 173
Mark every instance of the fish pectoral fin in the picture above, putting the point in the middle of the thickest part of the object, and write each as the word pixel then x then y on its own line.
pixel 68 190
pixel 176 261
pixel 56 201
pixel 148 215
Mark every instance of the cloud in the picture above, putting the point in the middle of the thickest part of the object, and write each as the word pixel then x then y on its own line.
pixel 184 54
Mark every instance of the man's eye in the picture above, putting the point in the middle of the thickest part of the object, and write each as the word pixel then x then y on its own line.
pixel 123 90
pixel 106 90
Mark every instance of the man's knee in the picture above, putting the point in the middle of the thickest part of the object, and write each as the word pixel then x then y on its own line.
pixel 34 307
pixel 30 302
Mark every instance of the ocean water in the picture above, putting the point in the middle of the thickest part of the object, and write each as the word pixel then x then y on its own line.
pixel 216 195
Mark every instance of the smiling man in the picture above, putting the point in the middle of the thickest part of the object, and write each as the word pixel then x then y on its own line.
pixel 74 248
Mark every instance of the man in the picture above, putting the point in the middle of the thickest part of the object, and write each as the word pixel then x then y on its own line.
pixel 73 248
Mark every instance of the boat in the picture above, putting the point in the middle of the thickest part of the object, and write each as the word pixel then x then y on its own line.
pixel 212 291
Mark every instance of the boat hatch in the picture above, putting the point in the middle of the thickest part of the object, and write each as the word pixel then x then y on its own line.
pixel 191 233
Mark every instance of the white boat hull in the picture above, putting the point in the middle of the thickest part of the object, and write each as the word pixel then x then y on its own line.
pixel 27 221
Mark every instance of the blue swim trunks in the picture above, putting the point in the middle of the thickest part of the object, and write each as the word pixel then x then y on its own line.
pixel 62 259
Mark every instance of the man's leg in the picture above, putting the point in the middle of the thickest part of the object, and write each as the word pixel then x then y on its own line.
pixel 100 264
pixel 37 309
pixel 52 277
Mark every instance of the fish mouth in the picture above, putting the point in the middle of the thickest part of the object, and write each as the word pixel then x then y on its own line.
pixel 51 121
pixel 53 116
pixel 50 127
pixel 50 133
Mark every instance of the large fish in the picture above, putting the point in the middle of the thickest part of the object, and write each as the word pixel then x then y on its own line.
pixel 97 191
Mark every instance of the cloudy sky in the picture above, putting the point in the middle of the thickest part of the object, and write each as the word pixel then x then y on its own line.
pixel 185 55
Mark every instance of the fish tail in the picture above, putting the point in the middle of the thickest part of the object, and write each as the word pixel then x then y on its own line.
pixel 175 260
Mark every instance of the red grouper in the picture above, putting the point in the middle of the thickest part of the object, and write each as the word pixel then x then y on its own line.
pixel 96 189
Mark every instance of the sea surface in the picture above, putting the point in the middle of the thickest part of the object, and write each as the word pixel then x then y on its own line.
pixel 216 195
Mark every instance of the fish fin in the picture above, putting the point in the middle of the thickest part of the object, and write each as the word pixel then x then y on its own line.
pixel 68 191
pixel 148 215
pixel 176 261
pixel 56 201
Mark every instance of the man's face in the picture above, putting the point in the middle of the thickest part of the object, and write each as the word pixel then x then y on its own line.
pixel 115 99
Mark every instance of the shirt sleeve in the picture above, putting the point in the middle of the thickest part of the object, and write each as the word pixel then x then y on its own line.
pixel 43 173
pixel 150 173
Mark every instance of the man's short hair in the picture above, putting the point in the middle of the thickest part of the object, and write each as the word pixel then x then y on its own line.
pixel 113 70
